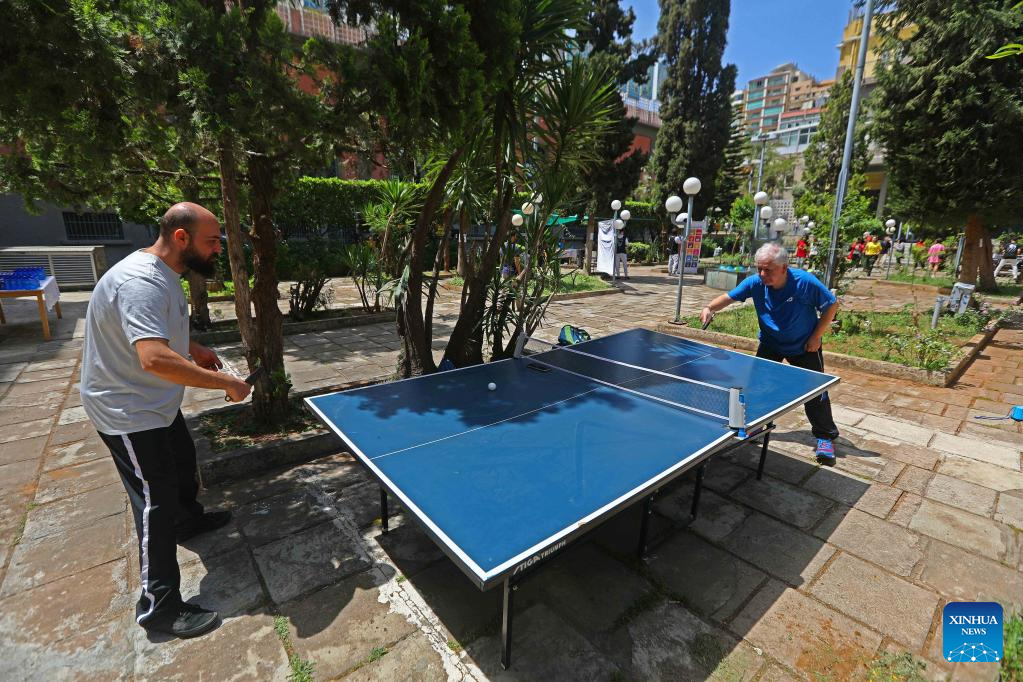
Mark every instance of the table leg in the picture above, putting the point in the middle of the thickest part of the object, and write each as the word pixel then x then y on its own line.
pixel 763 451
pixel 43 316
pixel 383 508
pixel 644 527
pixel 506 624
pixel 56 306
pixel 697 489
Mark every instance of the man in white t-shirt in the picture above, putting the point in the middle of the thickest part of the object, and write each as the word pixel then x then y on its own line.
pixel 135 366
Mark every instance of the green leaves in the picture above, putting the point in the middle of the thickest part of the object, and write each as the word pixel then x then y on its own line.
pixel 1010 50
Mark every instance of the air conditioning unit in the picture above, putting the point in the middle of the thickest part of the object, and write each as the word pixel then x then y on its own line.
pixel 73 266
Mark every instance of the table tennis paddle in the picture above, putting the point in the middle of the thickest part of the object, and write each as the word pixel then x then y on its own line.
pixel 707 323
pixel 250 380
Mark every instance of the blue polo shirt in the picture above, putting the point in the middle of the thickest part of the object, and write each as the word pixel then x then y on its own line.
pixel 788 315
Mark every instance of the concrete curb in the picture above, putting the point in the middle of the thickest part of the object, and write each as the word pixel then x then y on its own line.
pixel 232 335
pixel 879 367
pixel 585 294
pixel 247 462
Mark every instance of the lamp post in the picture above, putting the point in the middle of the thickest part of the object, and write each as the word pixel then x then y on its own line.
pixel 766 213
pixel 691 187
pixel 616 206
pixel 759 199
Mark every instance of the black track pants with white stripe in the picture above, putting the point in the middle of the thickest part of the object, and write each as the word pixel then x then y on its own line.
pixel 818 410
pixel 158 470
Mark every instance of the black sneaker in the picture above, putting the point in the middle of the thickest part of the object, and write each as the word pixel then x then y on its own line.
pixel 205 523
pixel 190 621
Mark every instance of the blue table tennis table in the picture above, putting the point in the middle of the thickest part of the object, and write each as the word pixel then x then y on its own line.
pixel 504 479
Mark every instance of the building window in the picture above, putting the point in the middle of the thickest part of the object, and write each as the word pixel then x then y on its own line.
pixel 92 227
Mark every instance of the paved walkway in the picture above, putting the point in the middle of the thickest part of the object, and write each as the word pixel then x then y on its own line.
pixel 809 573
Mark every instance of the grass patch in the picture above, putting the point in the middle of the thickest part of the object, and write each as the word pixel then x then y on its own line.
pixel 1012 657
pixel 454 646
pixel 301 670
pixel 944 280
pixel 377 653
pixel 891 667
pixel 889 336
pixel 233 429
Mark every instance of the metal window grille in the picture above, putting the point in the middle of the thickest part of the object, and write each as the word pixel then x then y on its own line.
pixel 85 227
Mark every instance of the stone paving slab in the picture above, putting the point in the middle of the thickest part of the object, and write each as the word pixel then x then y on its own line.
pixel 76 511
pixel 888 604
pixel 55 556
pixel 80 478
pixel 339 626
pixel 805 635
pixel 857 532
pixel 779 549
pixel 981 535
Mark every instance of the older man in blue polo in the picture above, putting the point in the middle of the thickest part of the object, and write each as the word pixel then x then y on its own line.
pixel 794 310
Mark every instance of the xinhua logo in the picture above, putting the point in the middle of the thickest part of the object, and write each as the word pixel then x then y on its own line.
pixel 972 631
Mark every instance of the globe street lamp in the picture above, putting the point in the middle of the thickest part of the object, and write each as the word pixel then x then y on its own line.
pixel 673 205
pixel 616 206
pixel 766 213
pixel 691 187
pixel 890 229
pixel 780 225
pixel 760 199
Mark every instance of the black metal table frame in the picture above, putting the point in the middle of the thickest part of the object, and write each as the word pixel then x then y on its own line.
pixel 511 582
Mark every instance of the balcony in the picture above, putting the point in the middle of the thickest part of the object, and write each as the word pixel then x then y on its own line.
pixel 310 23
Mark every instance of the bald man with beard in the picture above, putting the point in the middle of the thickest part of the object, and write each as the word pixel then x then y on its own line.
pixel 137 360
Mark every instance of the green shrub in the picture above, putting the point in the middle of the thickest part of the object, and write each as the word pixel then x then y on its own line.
pixel 638 251
pixel 325 207
pixel 1012 659
pixel 310 263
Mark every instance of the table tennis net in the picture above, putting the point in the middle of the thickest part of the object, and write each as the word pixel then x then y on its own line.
pixel 662 386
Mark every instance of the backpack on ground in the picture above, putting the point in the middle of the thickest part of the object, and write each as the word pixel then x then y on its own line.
pixel 570 335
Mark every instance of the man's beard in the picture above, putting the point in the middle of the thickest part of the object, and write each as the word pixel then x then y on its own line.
pixel 194 262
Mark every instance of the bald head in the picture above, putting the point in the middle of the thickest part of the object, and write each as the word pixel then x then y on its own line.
pixel 184 216
pixel 189 239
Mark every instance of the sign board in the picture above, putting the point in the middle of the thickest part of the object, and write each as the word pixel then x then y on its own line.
pixel 693 245
pixel 959 300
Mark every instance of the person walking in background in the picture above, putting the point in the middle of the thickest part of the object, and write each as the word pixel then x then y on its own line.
pixel 801 247
pixel 672 249
pixel 871 250
pixel 621 253
pixel 934 255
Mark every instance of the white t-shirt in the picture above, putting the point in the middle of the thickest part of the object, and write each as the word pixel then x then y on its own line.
pixel 138 298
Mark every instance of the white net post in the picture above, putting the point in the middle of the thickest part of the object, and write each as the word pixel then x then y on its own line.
pixel 520 345
pixel 737 411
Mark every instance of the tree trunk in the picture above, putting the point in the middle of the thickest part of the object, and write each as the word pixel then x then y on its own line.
pixel 199 302
pixel 977 258
pixel 449 216
pixel 417 356
pixel 235 239
pixel 270 392
pixel 465 346
pixel 591 230
pixel 199 308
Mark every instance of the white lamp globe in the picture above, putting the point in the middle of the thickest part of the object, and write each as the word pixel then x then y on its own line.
pixel 810 225
pixel 619 223
pixel 766 213
pixel 681 218
pixel 806 231
pixel 673 204
pixel 527 208
pixel 691 186
pixel 538 199
pixel 780 225
pixel 615 205
pixel 517 220
pixel 890 223
pixel 805 219
pixel 625 215
pixel 760 198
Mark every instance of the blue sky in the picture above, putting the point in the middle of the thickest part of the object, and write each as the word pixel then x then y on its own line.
pixel 765 33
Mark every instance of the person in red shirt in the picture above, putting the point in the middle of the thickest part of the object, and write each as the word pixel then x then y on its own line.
pixel 800 252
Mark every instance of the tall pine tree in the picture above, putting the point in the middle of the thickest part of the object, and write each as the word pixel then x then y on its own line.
pixel 823 157
pixel 695 96
pixel 952 121
pixel 607 38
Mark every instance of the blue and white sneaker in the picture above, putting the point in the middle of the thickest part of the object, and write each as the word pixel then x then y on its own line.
pixel 825 452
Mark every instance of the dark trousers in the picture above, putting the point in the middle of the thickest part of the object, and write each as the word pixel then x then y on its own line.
pixel 158 470
pixel 818 410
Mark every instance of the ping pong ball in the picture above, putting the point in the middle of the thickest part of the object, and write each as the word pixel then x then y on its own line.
pixel 492 386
